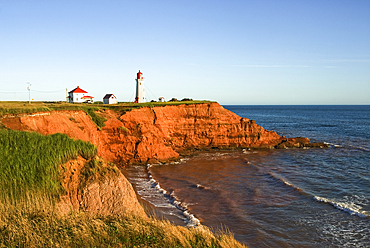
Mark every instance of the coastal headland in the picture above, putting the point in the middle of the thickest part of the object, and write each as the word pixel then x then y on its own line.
pixel 160 133
pixel 137 136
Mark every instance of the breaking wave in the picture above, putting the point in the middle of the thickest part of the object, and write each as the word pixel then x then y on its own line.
pixel 361 148
pixel 290 184
pixel 191 220
pixel 286 182
pixel 333 145
pixel 350 208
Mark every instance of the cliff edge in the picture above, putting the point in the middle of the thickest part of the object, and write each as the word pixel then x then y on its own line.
pixel 156 133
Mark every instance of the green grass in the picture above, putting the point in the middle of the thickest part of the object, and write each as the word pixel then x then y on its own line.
pixel 17 108
pixel 161 104
pixel 25 108
pixel 96 170
pixel 30 161
pixel 95 117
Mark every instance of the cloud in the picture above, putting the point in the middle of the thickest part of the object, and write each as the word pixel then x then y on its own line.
pixel 347 60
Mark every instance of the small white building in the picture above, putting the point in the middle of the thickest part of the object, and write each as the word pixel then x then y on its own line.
pixel 161 99
pixel 79 95
pixel 110 99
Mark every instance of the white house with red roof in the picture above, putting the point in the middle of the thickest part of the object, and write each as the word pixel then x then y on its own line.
pixel 79 95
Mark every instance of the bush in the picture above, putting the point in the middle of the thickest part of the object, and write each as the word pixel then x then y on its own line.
pixel 187 100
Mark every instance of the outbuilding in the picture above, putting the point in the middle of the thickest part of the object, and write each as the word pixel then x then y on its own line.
pixel 110 99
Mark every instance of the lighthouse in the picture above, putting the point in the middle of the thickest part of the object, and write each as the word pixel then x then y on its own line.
pixel 140 93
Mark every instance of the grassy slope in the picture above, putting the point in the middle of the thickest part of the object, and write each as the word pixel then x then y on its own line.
pixel 29 183
pixel 30 161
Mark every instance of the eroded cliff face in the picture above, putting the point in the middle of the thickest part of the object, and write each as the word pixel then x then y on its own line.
pixel 198 126
pixel 111 195
pixel 157 133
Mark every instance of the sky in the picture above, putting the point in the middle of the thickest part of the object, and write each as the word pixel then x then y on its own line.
pixel 234 52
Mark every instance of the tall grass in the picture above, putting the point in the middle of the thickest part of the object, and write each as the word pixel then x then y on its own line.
pixel 38 225
pixel 30 161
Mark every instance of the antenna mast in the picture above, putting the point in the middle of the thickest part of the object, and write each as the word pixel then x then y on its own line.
pixel 29 92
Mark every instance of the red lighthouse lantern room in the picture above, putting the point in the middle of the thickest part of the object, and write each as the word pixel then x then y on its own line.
pixel 139 75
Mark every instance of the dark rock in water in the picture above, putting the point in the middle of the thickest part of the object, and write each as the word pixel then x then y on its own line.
pixel 317 145
pixel 299 142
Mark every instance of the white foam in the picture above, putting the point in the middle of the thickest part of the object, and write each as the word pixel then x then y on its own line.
pixel 332 144
pixel 249 151
pixel 350 208
pixel 286 182
pixel 361 148
pixel 290 184
pixel 200 186
pixel 191 220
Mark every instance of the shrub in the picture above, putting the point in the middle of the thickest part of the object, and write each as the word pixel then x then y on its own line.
pixel 186 100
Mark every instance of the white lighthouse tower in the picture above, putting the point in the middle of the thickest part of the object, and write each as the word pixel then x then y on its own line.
pixel 140 93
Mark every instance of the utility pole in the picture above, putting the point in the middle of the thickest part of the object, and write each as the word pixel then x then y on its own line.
pixel 29 92
pixel 66 95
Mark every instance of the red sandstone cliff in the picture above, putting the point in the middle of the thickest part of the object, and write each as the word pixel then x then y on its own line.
pixel 157 133
pixel 111 195
pixel 142 135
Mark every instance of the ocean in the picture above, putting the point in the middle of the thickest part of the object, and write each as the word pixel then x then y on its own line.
pixel 275 198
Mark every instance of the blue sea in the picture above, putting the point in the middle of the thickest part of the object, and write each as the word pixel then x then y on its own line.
pixel 275 198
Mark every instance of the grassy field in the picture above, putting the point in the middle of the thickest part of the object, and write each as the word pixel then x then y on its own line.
pixel 25 107
pixel 30 184
pixel 16 108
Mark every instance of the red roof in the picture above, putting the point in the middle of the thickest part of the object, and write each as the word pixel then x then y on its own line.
pixel 87 97
pixel 78 90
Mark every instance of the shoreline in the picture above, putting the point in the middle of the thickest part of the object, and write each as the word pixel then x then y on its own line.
pixel 157 211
